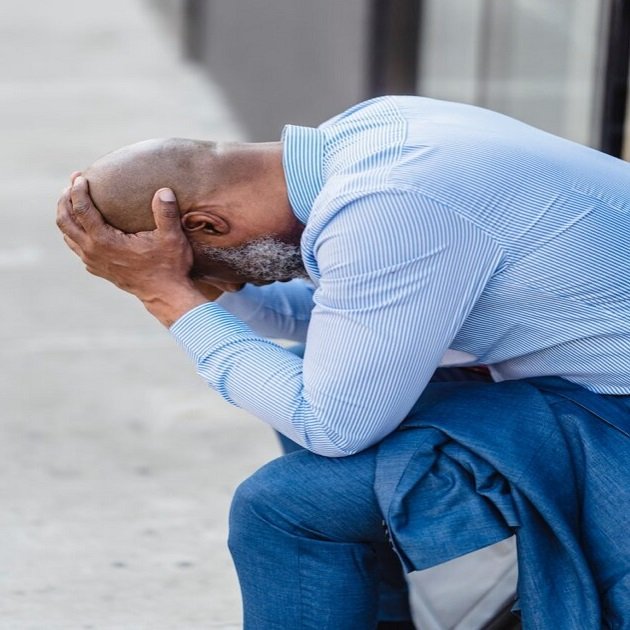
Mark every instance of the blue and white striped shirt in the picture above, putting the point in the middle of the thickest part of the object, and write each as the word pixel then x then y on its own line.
pixel 428 225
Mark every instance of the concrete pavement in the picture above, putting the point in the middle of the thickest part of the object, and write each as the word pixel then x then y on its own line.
pixel 116 462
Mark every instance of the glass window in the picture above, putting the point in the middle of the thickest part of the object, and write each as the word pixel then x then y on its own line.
pixel 532 59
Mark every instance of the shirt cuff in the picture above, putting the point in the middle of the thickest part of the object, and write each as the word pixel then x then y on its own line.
pixel 206 328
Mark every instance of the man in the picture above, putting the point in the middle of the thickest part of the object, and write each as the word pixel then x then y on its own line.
pixel 424 227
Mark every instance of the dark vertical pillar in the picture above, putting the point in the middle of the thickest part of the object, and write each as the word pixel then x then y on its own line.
pixel 393 47
pixel 195 29
pixel 616 78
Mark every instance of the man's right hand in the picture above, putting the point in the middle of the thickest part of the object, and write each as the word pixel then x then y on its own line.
pixel 152 265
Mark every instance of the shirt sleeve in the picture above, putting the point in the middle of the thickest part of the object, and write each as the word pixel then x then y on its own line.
pixel 399 275
pixel 281 310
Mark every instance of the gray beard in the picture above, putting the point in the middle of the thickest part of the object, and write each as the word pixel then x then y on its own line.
pixel 261 261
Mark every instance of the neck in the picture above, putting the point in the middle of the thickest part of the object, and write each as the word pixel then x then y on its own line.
pixel 262 171
pixel 256 180
pixel 252 160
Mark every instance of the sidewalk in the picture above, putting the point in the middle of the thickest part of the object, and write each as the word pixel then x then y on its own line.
pixel 116 462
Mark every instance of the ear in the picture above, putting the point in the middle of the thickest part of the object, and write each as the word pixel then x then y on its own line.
pixel 206 221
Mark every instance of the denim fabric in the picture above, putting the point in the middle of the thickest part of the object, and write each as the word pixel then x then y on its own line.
pixel 393 595
pixel 472 464
pixel 543 458
pixel 301 530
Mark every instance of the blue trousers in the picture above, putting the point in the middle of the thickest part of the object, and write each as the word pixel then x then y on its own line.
pixel 472 464
pixel 305 535
pixel 297 533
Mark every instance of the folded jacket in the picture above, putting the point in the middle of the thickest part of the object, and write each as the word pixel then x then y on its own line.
pixel 475 462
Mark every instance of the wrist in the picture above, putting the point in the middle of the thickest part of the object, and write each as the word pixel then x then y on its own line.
pixel 171 302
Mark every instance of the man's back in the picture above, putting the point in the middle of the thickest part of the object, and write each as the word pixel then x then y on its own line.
pixel 556 294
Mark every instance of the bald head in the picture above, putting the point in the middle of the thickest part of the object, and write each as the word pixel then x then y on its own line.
pixel 233 200
pixel 122 183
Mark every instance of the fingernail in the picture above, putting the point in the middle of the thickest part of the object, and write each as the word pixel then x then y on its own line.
pixel 166 194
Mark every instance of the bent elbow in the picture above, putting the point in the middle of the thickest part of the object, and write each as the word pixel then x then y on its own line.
pixel 337 448
pixel 329 450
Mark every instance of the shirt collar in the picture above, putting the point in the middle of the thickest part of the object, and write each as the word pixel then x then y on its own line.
pixel 302 157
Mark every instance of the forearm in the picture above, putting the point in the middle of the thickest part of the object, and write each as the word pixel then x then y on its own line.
pixel 255 374
pixel 279 311
pixel 318 403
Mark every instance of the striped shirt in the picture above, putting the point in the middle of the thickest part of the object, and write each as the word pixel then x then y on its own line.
pixel 429 225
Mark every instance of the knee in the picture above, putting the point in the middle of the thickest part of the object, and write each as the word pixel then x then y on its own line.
pixel 255 506
pixel 244 502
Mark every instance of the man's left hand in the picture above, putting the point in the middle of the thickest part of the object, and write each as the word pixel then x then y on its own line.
pixel 154 266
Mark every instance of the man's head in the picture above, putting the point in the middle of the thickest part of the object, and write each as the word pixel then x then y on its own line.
pixel 232 199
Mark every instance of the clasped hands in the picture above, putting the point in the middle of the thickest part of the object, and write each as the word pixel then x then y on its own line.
pixel 154 266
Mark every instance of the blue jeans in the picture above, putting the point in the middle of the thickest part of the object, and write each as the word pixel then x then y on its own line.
pixel 473 463
pixel 316 554
pixel 304 534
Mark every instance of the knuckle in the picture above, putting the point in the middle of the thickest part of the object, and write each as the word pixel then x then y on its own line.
pixel 80 206
pixel 170 238
pixel 62 210
pixel 169 211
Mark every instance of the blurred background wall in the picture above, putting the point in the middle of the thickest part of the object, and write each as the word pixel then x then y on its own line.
pixel 561 65
pixel 280 61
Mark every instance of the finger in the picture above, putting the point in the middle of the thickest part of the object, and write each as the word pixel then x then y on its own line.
pixel 63 204
pixel 74 175
pixel 166 211
pixel 65 220
pixel 73 246
pixel 83 209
